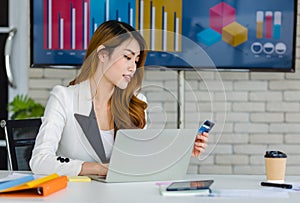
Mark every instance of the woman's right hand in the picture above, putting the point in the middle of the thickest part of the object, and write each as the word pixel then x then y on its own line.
pixel 92 168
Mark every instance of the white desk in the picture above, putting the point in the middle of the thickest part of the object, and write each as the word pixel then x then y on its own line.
pixel 92 192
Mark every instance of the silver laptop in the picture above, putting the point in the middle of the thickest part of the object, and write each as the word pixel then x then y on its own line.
pixel 150 155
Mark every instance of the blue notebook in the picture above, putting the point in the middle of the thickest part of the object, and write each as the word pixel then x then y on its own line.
pixel 15 182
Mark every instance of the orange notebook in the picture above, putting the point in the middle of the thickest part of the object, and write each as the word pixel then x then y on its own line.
pixel 39 187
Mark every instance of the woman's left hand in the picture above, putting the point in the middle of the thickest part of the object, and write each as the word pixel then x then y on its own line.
pixel 200 144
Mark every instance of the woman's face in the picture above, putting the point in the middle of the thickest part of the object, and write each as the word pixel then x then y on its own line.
pixel 120 67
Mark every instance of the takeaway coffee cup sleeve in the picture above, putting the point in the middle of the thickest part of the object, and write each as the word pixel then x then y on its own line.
pixel 275 166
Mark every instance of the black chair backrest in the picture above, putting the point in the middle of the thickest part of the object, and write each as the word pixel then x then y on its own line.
pixel 20 138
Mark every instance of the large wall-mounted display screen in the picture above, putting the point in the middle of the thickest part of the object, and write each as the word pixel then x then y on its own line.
pixel 256 35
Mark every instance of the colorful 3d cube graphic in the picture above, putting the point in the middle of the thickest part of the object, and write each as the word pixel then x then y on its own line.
pixel 208 37
pixel 234 34
pixel 221 15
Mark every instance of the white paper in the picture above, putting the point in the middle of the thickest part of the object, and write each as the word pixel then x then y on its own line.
pixel 296 187
pixel 232 193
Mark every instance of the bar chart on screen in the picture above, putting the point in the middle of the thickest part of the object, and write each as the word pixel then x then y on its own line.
pixel 272 27
pixel 160 23
pixel 69 24
pixel 66 24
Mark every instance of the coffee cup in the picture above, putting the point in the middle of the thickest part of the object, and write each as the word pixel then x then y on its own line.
pixel 275 166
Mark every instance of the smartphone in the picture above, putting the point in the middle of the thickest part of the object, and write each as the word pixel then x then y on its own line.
pixel 189 185
pixel 206 126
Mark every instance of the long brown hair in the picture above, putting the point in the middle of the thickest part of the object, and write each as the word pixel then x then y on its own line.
pixel 126 108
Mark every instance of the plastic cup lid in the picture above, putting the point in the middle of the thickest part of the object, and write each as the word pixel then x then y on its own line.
pixel 275 154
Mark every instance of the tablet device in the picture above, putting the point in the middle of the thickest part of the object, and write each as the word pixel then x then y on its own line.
pixel 190 185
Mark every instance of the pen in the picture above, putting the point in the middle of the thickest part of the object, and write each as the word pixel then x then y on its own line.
pixel 281 185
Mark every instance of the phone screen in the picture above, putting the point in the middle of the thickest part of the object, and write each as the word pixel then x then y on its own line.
pixel 206 126
pixel 190 185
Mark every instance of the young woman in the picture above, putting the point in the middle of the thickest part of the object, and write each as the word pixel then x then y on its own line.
pixel 80 121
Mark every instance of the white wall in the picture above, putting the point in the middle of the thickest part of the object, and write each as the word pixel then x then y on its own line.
pixel 19 18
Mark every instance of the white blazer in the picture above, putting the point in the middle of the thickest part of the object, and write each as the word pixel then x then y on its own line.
pixel 61 145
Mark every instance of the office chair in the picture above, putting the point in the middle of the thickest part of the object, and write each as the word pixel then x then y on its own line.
pixel 20 138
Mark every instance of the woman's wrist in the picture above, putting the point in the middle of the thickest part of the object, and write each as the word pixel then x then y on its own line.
pixel 102 169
